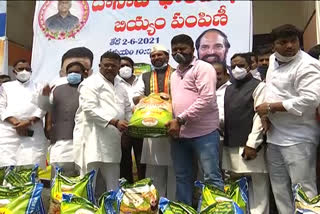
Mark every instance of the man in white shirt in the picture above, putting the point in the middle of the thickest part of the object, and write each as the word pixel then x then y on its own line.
pixel 156 151
pixel 129 81
pixel 103 112
pixel 222 83
pixel 254 66
pixel 288 113
pixel 22 139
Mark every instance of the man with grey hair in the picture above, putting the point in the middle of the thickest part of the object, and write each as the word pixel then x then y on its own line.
pixel 63 20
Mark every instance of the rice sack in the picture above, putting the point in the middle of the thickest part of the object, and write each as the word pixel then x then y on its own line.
pixel 238 192
pixel 303 204
pixel 19 200
pixel 150 116
pixel 72 204
pixel 2 172
pixel 213 200
pixel 140 197
pixel 16 176
pixel 81 187
pixel 171 207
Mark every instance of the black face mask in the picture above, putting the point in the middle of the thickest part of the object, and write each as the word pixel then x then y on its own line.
pixel 263 71
pixel 182 58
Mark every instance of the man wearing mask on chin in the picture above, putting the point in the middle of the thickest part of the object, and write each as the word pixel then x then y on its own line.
pixel 292 95
pixel 243 153
pixel 129 81
pixel 22 139
pixel 263 62
pixel 196 123
pixel 63 103
pixel 156 151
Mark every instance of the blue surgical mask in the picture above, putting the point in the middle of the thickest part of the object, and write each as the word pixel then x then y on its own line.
pixel 74 78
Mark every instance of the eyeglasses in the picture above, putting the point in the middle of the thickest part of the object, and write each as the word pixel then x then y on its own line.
pixel 26 68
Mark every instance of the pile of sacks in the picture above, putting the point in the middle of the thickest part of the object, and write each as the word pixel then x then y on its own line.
pixel 20 193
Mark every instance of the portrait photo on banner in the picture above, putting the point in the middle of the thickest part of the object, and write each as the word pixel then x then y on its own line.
pixel 63 19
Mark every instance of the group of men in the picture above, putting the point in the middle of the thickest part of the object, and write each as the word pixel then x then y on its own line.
pixel 259 113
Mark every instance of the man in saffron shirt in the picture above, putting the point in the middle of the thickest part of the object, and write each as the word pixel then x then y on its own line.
pixel 195 127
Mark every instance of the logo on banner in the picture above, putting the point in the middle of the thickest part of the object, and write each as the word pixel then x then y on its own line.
pixel 63 19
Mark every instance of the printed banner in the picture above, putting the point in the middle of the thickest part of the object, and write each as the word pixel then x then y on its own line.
pixel 132 27
pixel 3 39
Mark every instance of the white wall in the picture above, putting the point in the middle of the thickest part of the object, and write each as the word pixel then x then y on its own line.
pixel 270 14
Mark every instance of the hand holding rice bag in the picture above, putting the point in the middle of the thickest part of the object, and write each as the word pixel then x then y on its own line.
pixel 150 116
pixel 213 200
pixel 171 207
pixel 81 187
pixel 303 204
pixel 23 199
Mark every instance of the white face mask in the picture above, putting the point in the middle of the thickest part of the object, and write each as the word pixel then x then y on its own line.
pixel 239 73
pixel 281 58
pixel 23 76
pixel 125 72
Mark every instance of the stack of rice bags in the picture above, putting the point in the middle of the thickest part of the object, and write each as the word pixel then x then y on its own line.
pixel 233 200
pixel 20 192
pixel 75 186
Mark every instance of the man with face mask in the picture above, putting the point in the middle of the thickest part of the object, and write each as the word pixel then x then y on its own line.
pixel 196 123
pixel 63 103
pixel 254 66
pixel 22 139
pixel 243 153
pixel 129 81
pixel 292 96
pixel 156 151
pixel 263 62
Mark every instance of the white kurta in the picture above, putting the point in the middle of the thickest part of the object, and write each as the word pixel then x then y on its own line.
pixel 17 100
pixel 94 139
pixel 156 151
pixel 232 159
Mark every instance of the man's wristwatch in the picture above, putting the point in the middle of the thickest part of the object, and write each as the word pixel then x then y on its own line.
pixel 269 108
pixel 181 121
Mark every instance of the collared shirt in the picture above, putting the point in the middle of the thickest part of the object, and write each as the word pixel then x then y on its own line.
pixel 220 100
pixel 18 100
pixel 255 73
pixel 130 88
pixel 58 23
pixel 94 139
pixel 297 85
pixel 194 98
